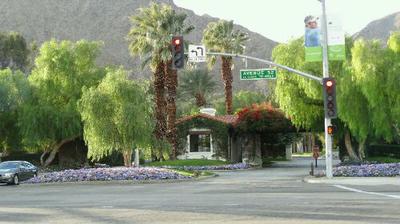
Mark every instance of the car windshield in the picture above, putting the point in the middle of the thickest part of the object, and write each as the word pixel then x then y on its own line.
pixel 8 165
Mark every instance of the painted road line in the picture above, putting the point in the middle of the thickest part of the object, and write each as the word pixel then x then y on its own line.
pixel 367 192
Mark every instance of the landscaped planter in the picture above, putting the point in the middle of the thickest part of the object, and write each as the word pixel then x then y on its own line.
pixel 108 174
pixel 237 166
pixel 368 170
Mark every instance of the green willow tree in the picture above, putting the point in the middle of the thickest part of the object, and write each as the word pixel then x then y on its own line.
pixel 150 37
pixel 222 37
pixel 14 91
pixel 50 118
pixel 373 80
pixel 367 92
pixel 116 116
pixel 196 84
pixel 301 98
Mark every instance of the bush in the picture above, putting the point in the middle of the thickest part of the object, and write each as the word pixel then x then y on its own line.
pixel 33 158
pixel 382 150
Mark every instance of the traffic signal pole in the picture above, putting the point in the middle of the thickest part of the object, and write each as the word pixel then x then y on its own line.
pixel 325 67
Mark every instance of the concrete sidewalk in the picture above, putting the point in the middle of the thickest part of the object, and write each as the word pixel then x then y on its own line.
pixel 363 181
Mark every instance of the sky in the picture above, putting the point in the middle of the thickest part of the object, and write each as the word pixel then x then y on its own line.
pixel 282 20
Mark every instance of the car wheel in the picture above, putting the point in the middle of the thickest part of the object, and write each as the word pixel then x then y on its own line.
pixel 15 180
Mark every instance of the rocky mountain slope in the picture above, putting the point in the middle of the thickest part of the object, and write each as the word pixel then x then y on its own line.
pixel 107 21
pixel 380 29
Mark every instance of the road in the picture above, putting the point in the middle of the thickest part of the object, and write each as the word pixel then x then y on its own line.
pixel 272 195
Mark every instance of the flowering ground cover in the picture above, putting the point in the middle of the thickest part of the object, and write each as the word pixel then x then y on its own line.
pixel 107 174
pixel 368 170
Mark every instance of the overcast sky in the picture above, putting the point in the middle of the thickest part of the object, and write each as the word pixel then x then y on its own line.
pixel 281 20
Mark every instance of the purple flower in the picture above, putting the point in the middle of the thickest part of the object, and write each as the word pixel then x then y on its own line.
pixel 107 174
pixel 368 170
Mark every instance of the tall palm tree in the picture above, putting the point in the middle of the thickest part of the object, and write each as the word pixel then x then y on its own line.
pixel 221 37
pixel 174 25
pixel 197 84
pixel 150 36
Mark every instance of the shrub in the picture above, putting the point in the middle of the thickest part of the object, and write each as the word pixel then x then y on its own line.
pixel 383 150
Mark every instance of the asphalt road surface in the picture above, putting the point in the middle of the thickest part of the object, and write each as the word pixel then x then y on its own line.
pixel 272 195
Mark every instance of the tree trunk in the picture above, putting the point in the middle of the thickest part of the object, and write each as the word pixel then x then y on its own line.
pixel 160 107
pixel 54 151
pixel 227 79
pixel 127 154
pixel 43 156
pixel 200 100
pixel 349 146
pixel 171 84
pixel 361 149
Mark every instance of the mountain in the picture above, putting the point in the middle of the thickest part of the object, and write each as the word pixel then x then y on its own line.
pixel 380 29
pixel 108 21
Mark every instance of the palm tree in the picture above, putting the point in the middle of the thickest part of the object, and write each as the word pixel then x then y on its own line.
pixel 221 37
pixel 150 36
pixel 197 84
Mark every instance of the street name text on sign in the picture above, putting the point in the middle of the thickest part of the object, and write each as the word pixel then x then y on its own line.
pixel 257 74
pixel 197 53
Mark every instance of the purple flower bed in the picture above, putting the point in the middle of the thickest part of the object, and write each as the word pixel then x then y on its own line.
pixel 237 166
pixel 368 170
pixel 107 174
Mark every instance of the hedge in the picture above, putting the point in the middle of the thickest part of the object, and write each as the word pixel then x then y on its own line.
pixel 383 150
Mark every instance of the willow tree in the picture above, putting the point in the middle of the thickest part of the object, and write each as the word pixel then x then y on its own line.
pixel 222 37
pixel 150 37
pixel 14 91
pixel 50 118
pixel 301 99
pixel 116 116
pixel 370 102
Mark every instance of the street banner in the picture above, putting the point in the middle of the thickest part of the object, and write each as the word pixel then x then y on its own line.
pixel 313 37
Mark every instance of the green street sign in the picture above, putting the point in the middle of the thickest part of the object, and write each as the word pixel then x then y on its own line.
pixel 257 74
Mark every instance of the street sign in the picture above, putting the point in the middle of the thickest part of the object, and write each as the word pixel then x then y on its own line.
pixel 257 74
pixel 197 53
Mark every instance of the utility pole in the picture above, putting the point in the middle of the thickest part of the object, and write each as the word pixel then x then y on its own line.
pixel 325 67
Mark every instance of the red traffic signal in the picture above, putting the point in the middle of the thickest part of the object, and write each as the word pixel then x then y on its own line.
pixel 178 54
pixel 177 41
pixel 329 89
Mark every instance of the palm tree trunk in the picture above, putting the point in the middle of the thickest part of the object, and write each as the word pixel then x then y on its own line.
pixel 200 100
pixel 159 98
pixel 171 84
pixel 227 79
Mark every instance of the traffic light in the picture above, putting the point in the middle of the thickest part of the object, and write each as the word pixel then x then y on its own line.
pixel 331 129
pixel 329 90
pixel 178 53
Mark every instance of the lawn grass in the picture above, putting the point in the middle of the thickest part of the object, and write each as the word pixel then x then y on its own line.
pixel 383 159
pixel 303 154
pixel 193 173
pixel 187 162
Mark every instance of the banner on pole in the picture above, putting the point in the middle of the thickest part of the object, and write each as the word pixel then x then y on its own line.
pixel 313 37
